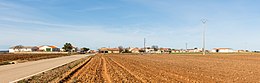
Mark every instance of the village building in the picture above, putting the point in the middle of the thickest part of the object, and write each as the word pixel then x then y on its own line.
pixel 165 50
pixel 242 51
pixel 148 50
pixel 47 48
pixel 152 50
pixel 44 48
pixel 91 51
pixel 178 51
pixel 75 49
pixel 194 50
pixel 22 49
pixel 109 50
pixel 222 50
pixel 134 50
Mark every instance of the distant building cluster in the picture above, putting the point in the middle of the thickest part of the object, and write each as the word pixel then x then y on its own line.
pixel 43 48
pixel 133 50
pixel 47 48
pixel 165 50
pixel 152 50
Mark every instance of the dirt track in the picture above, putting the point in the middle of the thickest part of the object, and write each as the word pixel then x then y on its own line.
pixel 169 68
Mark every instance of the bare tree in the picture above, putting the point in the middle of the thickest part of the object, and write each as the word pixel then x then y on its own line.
pixel 121 49
pixel 19 47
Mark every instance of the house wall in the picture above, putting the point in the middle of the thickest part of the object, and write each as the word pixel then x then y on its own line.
pixel 227 50
pixel 21 50
pixel 158 52
pixel 26 50
pixel 11 50
pixel 56 50
pixel 149 50
pixel 195 50
pixel 175 51
pixel 222 50
pixel 178 51
pixel 135 51
pixel 115 51
pixel 109 51
pixel 44 48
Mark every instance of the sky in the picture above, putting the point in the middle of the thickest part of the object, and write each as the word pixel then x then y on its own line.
pixel 112 23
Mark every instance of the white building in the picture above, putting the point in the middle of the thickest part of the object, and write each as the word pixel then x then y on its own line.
pixel 21 49
pixel 165 50
pixel 222 50
pixel 151 50
pixel 195 50
pixel 134 50
pixel 47 48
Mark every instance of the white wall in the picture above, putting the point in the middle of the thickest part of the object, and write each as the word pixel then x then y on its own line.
pixel 223 50
pixel 11 50
pixel 44 48
pixel 228 50
pixel 21 50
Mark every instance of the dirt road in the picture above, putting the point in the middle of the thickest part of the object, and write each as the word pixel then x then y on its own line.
pixel 9 73
pixel 169 68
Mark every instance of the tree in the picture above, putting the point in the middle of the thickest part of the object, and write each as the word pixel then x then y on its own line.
pixel 19 47
pixel 85 49
pixel 142 50
pixel 155 47
pixel 67 47
pixel 121 49
pixel 127 50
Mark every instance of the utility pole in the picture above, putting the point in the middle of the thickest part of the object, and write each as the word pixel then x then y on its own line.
pixel 144 45
pixel 186 44
pixel 204 21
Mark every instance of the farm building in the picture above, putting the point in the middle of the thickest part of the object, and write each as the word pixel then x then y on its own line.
pixel 152 50
pixel 177 51
pixel 242 51
pixel 134 50
pixel 47 48
pixel 109 50
pixel 21 48
pixel 194 50
pixel 165 50
pixel 43 48
pixel 223 50
pixel 91 51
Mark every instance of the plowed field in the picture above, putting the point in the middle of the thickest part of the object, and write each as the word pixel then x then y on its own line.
pixel 169 68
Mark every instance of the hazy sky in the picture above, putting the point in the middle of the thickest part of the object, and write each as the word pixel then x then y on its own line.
pixel 110 23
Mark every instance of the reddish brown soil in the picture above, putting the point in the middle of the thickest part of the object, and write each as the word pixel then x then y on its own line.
pixel 170 68
pixel 29 57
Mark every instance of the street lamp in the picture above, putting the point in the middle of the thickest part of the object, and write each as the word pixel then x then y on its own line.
pixel 204 21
